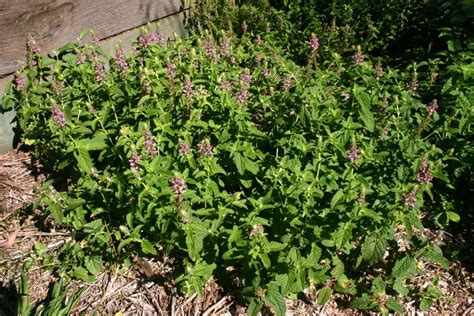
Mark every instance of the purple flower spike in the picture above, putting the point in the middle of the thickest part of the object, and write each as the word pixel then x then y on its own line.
pixel 424 175
pixel 245 77
pixel 184 149
pixel 170 70
pixel 257 230
pixel 211 50
pixel 358 58
pixel 242 96
pixel 413 85
pixel 58 116
pixel 151 38
pixel 353 153
pixel 314 44
pixel 178 186
pixel 410 199
pixel 432 107
pixel 120 59
pixel 226 85
pixel 31 45
pixel 188 89
pixel 99 72
pixel 134 160
pixel 20 81
pixel 287 83
pixel 244 27
pixel 149 144
pixel 205 148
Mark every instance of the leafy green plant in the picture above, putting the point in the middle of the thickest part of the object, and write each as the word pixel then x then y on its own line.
pixel 217 149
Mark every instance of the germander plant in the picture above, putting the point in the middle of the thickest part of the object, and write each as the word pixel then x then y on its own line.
pixel 273 178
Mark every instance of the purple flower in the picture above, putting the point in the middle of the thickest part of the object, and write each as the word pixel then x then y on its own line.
pixel 149 144
pixel 31 45
pixel 205 148
pixel 432 107
pixel 244 26
pixel 258 58
pixel 81 59
pixel 287 83
pixel 245 77
pixel 353 153
pixel 134 160
pixel 410 199
pixel 170 70
pixel 144 83
pixel 259 40
pixel 188 89
pixel 413 86
pixel 242 96
pixel 184 148
pixel 151 38
pixel 226 85
pixel 266 72
pixel 99 72
pixel 58 116
pixel 379 71
pixel 211 50
pixel 314 44
pixel 225 46
pixel 358 58
pixel 424 175
pixel 257 230
pixel 20 81
pixel 120 59
pixel 178 186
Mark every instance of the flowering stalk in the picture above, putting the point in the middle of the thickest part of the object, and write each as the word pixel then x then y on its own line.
pixel 205 148
pixel 58 116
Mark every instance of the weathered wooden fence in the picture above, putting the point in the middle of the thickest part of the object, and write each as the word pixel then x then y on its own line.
pixel 56 22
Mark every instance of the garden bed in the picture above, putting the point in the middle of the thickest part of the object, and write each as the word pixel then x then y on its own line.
pixel 149 287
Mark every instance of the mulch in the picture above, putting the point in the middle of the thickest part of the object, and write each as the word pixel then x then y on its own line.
pixel 147 287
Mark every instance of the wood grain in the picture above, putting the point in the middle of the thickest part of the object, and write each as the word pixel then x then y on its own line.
pixel 55 22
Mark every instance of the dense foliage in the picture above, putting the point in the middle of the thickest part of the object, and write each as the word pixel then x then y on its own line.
pixel 275 178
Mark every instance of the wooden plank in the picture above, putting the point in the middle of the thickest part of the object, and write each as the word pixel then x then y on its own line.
pixel 55 22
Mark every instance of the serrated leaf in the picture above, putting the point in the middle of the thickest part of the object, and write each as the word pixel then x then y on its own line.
pixel 82 274
pixel 84 160
pixel 254 307
pixel 98 142
pixel 55 209
pixel 373 248
pixel 400 287
pixel 93 264
pixel 365 113
pixel 276 301
pixel 324 295
pixel 447 85
pixel 336 198
pixel 364 302
pixel 405 268
pixel 239 163
pixel 273 246
pixel 393 305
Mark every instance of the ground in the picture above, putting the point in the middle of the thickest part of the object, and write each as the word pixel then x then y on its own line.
pixel 146 288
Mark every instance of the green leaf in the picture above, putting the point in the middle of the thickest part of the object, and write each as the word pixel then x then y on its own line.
pixel 239 163
pixel 393 305
pixel 378 286
pixel 254 307
pixel 425 304
pixel 276 301
pixel 324 295
pixel 84 160
pixel 365 113
pixel 448 84
pixel 265 260
pixel 336 198
pixel 273 246
pixel 82 274
pixel 364 302
pixel 400 287
pixel 453 217
pixel 405 268
pixel 98 142
pixel 93 264
pixel 55 209
pixel 148 248
pixel 373 248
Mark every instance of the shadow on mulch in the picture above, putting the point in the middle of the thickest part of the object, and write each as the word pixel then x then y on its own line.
pixel 9 299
